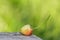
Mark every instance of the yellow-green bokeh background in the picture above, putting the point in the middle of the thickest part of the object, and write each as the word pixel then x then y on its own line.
pixel 42 15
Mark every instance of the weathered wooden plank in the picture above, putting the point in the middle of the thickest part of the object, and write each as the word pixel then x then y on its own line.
pixel 16 36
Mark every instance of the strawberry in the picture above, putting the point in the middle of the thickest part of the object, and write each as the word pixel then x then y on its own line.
pixel 26 30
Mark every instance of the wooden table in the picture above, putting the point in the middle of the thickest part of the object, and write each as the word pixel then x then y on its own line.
pixel 16 36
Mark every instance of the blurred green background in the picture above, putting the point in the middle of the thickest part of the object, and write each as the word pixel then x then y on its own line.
pixel 42 15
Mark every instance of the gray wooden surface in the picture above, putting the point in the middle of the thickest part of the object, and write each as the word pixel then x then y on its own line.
pixel 16 36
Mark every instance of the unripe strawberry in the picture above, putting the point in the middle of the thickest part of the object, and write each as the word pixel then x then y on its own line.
pixel 26 30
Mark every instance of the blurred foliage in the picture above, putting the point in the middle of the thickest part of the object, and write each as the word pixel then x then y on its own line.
pixel 42 15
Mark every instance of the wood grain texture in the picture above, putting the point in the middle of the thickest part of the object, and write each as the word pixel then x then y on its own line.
pixel 16 36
